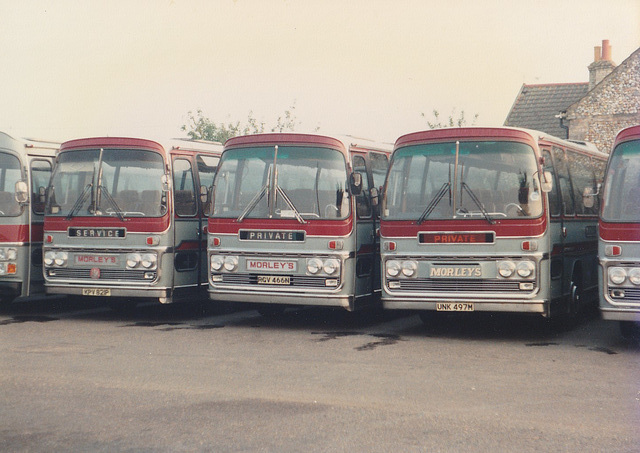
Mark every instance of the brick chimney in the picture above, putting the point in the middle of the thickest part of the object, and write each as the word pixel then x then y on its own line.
pixel 602 64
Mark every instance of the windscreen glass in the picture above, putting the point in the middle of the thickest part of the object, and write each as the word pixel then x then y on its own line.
pixel 290 182
pixel 10 173
pixel 494 179
pixel 622 184
pixel 108 182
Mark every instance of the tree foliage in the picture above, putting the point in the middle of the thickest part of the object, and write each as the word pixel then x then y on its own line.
pixel 199 127
pixel 452 121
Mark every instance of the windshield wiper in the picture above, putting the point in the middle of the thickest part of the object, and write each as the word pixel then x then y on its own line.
pixel 434 202
pixel 291 205
pixel 253 203
pixel 478 203
pixel 112 202
pixel 80 201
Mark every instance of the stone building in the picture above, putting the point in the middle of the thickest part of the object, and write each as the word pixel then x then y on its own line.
pixel 593 111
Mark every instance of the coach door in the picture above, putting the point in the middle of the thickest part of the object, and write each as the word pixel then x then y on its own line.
pixel 557 230
pixel 206 167
pixel 366 236
pixel 187 227
pixel 40 172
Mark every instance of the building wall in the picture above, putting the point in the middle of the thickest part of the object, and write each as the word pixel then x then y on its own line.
pixel 612 105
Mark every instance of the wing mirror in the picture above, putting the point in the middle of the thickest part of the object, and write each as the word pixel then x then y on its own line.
pixel 589 195
pixel 22 192
pixel 164 179
pixel 547 181
pixel 204 194
pixel 356 183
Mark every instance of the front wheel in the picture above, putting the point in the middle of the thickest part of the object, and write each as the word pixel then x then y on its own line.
pixel 575 298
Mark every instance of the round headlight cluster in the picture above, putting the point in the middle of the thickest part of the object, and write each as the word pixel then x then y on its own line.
pixel 133 260
pixel 56 259
pixel 634 276
pixel 329 266
pixel 523 269
pixel 407 268
pixel 146 260
pixel 231 263
pixel 618 275
pixel 228 263
pixel 8 253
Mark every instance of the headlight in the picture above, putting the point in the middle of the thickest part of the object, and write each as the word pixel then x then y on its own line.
pixel 48 258
pixel 133 259
pixel 409 268
pixel 393 268
pixel 230 263
pixel 506 268
pixel 149 260
pixel 12 254
pixel 216 263
pixel 525 269
pixel 634 276
pixel 331 266
pixel 314 265
pixel 617 275
pixel 61 259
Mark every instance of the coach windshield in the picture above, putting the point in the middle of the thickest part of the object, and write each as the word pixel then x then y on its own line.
pixel 107 182
pixel 10 174
pixel 487 180
pixel 282 182
pixel 622 186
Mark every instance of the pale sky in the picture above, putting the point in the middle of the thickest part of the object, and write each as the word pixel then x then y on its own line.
pixel 368 68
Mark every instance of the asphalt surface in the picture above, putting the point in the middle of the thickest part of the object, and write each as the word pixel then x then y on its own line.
pixel 200 377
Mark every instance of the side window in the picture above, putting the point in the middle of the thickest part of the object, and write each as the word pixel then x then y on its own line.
pixel 184 194
pixel 554 202
pixel 207 166
pixel 40 174
pixel 363 202
pixel 379 166
pixel 599 169
pixel 581 178
pixel 562 174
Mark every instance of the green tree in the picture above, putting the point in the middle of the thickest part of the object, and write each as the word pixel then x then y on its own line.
pixel 199 127
pixel 452 121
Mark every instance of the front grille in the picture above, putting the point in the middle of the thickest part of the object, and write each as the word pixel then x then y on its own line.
pixel 631 296
pixel 298 281
pixel 111 275
pixel 458 285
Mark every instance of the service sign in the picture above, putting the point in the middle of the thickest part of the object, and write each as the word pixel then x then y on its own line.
pixel 78 232
pixel 271 235
pixel 263 265
pixel 456 238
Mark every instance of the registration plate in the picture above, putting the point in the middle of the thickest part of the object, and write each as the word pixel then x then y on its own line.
pixel 454 306
pixel 96 292
pixel 274 280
